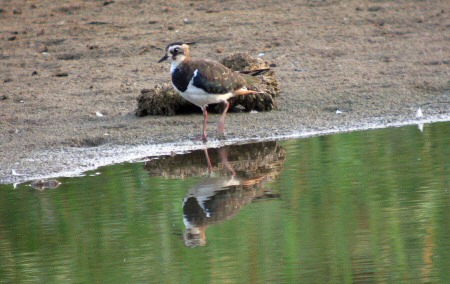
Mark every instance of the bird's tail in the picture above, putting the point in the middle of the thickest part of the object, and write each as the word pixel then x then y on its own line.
pixel 255 72
pixel 245 91
pixel 251 76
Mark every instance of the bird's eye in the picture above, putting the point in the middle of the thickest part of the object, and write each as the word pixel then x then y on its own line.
pixel 175 50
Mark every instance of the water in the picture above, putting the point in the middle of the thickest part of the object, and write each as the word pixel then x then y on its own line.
pixel 368 206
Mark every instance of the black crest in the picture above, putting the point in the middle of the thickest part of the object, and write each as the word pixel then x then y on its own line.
pixel 178 43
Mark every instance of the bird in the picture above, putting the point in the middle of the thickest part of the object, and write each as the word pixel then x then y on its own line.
pixel 204 82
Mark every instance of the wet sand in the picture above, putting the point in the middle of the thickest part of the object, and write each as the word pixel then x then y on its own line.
pixel 70 74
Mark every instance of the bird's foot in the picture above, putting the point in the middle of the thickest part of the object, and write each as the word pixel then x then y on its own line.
pixel 202 138
pixel 221 126
pixel 221 136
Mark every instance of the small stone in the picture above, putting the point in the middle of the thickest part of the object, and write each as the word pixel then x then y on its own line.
pixel 375 9
pixel 97 23
pixel 43 184
pixel 92 46
pixel 42 48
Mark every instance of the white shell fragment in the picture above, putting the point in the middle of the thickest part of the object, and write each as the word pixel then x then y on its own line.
pixel 419 113
pixel 15 173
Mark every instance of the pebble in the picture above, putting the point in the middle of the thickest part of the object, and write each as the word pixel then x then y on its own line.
pixel 43 184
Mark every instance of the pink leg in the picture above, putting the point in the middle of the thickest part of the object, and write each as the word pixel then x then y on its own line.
pixel 221 122
pixel 224 158
pixel 208 161
pixel 205 121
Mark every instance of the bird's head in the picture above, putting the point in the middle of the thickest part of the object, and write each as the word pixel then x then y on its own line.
pixel 177 52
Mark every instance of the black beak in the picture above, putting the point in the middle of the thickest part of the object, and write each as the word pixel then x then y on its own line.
pixel 163 58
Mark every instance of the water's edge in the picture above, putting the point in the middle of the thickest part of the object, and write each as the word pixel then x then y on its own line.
pixel 71 162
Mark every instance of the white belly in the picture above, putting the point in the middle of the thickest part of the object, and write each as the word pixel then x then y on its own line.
pixel 201 98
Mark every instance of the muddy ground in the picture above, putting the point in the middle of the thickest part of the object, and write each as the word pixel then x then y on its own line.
pixel 65 63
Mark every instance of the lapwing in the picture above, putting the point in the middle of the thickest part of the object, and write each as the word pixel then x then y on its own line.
pixel 203 82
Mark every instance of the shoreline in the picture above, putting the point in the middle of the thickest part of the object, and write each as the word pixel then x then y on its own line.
pixel 92 158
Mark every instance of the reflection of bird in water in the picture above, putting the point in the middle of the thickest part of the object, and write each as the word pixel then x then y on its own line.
pixel 240 175
pixel 215 199
pixel 203 205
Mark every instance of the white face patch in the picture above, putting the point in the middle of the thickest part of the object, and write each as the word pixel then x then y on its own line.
pixel 173 65
pixel 175 58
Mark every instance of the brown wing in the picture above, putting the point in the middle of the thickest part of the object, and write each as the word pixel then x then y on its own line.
pixel 214 78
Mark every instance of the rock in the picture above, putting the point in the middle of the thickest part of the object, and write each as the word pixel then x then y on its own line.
pixel 268 87
pixel 42 48
pixel 164 100
pixel 375 9
pixel 43 184
pixel 61 74
pixel 92 46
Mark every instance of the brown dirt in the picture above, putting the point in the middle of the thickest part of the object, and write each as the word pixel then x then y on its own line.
pixel 63 61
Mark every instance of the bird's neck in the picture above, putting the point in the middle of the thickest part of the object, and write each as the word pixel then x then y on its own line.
pixel 175 63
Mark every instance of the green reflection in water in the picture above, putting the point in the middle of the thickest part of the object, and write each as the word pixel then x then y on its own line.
pixel 363 206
